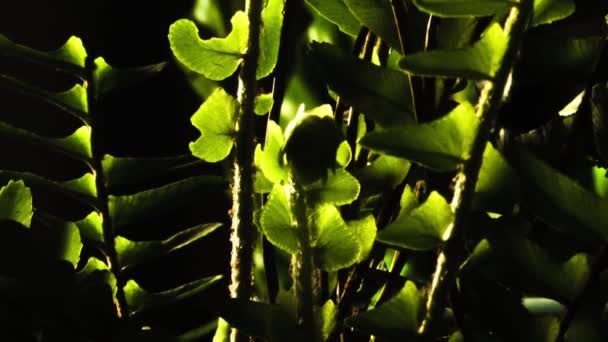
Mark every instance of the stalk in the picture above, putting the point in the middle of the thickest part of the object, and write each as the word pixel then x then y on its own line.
pixel 488 107
pixel 98 147
pixel 303 263
pixel 242 235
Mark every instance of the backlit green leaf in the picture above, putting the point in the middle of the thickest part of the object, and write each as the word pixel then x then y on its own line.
pixel 497 187
pixel 397 318
pixel 344 154
pixel 91 227
pixel 339 188
pixel 271 158
pixel 16 203
pixel 382 174
pixel 365 231
pixel 121 171
pixel 378 17
pixel 216 119
pixel 70 57
pixel 479 61
pixel 439 144
pixel 140 300
pixel 336 246
pixel 464 8
pixel 382 94
pixel 77 145
pixel 84 185
pixel 74 189
pixel 270 37
pixel 215 58
pixel 64 242
pixel 73 101
pixel 338 13
pixel 146 205
pixel 108 78
pixel 263 103
pixel 276 221
pixel 136 252
pixel 548 11
pixel 559 200
pixel 422 228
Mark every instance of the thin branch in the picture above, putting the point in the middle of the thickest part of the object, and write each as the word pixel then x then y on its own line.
pixel 242 235
pixel 99 148
pixel 489 104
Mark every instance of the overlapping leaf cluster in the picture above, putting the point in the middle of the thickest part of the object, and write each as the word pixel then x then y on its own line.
pixel 67 274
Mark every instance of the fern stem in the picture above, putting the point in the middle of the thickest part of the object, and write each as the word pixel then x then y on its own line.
pixel 303 263
pixel 489 104
pixel 243 234
pixel 98 147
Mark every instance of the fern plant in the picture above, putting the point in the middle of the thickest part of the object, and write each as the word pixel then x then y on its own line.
pixel 68 273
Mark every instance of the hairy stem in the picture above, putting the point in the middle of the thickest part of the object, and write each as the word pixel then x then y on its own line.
pixel 489 104
pixel 242 235
pixel 98 147
pixel 303 263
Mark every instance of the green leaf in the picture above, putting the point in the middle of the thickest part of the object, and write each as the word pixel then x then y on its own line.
pixel 108 78
pixel 127 209
pixel 312 132
pixel 336 246
pixel 378 17
pixel 276 221
pixel 272 322
pixel 136 252
pixel 84 185
pixel 16 203
pixel 73 101
pixel 479 61
pixel 397 318
pixel 271 158
pixel 339 188
pixel 455 33
pixel 365 231
pixel 215 58
pixel 497 187
pixel 382 174
pixel 121 171
pixel 548 11
pixel 216 119
pixel 63 242
pixel 464 8
pixel 560 201
pixel 77 145
pixel 336 12
pixel 91 227
pixel 382 94
pixel 528 264
pixel 140 300
pixel 263 103
pixel 441 144
pixel 344 154
pixel 70 57
pixel 599 178
pixel 74 189
pixel 599 116
pixel 270 37
pixel 422 228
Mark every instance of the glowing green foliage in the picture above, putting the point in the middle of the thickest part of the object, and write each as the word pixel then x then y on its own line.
pixel 108 78
pixel 216 119
pixel 382 94
pixel 374 15
pixel 479 61
pixel 452 135
pixel 464 8
pixel 16 203
pixel 397 318
pixel 196 54
pixel 420 228
pixel 337 12
pixel 135 252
